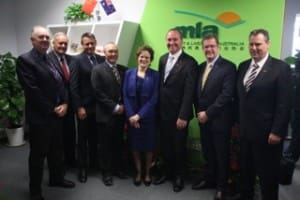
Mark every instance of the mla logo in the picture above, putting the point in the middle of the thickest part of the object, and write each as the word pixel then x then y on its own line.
pixel 225 20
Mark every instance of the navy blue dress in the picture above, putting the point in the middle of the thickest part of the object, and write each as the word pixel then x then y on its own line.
pixel 141 97
pixel 143 138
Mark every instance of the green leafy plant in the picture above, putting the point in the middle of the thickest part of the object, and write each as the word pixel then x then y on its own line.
pixel 11 94
pixel 75 13
pixel 293 59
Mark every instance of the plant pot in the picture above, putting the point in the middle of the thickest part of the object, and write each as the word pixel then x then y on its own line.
pixel 15 136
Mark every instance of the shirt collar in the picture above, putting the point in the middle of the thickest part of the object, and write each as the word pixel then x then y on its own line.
pixel 212 63
pixel 176 55
pixel 261 62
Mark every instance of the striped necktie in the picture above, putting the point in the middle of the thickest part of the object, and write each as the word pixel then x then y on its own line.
pixel 251 77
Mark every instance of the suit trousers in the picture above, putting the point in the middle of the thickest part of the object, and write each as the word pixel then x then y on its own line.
pixel 173 147
pixel 45 142
pixel 215 147
pixel 69 138
pixel 294 147
pixel 111 143
pixel 87 142
pixel 263 160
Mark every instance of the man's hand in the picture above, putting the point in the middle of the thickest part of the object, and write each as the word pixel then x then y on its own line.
pixel 181 124
pixel 120 110
pixel 202 117
pixel 81 112
pixel 274 139
pixel 61 110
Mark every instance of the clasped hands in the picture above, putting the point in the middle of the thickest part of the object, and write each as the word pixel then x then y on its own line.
pixel 134 121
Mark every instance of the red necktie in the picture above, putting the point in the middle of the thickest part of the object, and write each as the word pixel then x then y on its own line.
pixel 64 68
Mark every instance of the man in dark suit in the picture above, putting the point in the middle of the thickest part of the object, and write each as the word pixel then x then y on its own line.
pixel 46 104
pixel 213 105
pixel 61 59
pixel 293 150
pixel 264 98
pixel 84 103
pixel 107 80
pixel 178 72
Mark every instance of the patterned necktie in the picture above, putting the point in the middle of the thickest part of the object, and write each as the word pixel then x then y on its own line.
pixel 169 66
pixel 251 77
pixel 65 68
pixel 205 74
pixel 93 60
pixel 116 73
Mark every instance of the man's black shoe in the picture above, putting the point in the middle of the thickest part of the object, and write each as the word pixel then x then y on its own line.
pixel 203 185
pixel 178 184
pixel 64 183
pixel 107 180
pixel 82 176
pixel 160 180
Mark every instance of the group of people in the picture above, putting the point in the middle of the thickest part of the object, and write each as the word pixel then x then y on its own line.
pixel 156 107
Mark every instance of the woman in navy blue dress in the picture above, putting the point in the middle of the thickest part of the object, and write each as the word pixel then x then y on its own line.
pixel 140 100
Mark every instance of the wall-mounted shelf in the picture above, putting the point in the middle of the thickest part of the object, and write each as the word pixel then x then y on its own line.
pixel 121 32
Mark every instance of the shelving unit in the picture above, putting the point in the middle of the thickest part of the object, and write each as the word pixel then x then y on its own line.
pixel 121 32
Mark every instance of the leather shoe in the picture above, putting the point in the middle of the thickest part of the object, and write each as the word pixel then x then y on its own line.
pixel 219 195
pixel 107 180
pixel 147 183
pixel 82 176
pixel 160 180
pixel 36 197
pixel 178 184
pixel 137 182
pixel 64 183
pixel 203 185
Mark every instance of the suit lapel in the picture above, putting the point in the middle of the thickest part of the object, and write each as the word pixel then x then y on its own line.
pixel 177 66
pixel 43 64
pixel 262 73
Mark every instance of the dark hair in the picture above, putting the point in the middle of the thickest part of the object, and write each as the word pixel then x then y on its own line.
pixel 88 35
pixel 176 30
pixel 210 36
pixel 145 48
pixel 260 31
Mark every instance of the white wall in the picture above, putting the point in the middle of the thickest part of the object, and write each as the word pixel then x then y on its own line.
pixel 44 12
pixel 292 7
pixel 7 23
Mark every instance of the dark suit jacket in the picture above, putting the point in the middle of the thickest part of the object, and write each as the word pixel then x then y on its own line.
pixel 216 97
pixel 266 106
pixel 40 87
pixel 149 94
pixel 80 82
pixel 107 90
pixel 177 92
pixel 55 60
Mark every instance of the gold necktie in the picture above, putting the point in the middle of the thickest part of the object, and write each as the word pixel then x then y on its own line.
pixel 205 74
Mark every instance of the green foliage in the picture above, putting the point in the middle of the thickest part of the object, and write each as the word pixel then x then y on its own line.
pixel 293 59
pixel 11 94
pixel 75 13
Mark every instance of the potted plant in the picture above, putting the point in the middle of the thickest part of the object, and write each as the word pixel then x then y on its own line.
pixel 11 100
pixel 75 13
